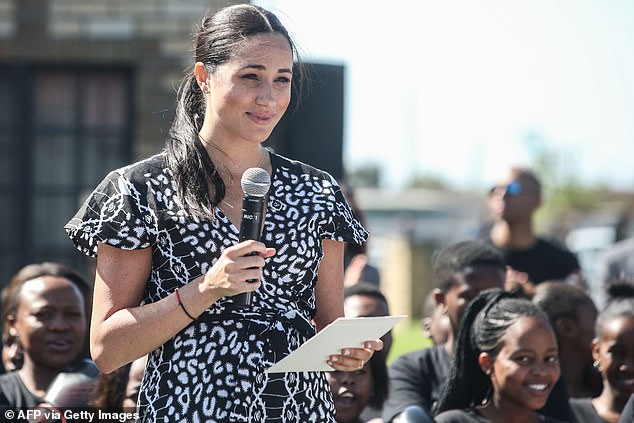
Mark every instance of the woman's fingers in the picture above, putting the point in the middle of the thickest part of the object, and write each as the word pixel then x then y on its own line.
pixel 352 359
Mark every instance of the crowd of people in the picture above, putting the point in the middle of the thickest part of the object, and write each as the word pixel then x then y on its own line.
pixel 159 333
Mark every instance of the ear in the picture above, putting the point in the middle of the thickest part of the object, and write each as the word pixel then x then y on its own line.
pixel 439 299
pixel 426 325
pixel 485 360
pixel 200 71
pixel 13 331
pixel 596 346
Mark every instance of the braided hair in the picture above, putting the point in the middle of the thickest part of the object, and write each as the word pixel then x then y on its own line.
pixel 483 326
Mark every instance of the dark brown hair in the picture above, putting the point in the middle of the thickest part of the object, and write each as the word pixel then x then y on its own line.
pixel 217 40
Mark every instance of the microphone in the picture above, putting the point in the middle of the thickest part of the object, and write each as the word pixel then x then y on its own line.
pixel 255 185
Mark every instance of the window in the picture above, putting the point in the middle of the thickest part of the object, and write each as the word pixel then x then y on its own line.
pixel 61 131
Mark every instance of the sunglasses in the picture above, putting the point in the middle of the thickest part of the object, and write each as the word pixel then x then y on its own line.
pixel 512 189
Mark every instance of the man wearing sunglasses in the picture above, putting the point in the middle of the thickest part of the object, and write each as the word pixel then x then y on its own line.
pixel 531 259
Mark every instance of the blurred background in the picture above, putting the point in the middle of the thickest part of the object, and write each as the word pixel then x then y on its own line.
pixel 417 105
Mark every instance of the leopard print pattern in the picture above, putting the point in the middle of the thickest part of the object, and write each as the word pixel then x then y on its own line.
pixel 213 370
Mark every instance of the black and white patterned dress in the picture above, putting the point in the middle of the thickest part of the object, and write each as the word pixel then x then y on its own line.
pixel 213 370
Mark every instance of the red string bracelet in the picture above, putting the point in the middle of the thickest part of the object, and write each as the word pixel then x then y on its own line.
pixel 180 303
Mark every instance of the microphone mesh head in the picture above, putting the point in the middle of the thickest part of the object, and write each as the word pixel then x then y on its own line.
pixel 255 182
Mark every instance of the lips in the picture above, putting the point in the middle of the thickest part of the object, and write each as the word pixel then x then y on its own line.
pixel 345 396
pixel 261 118
pixel 539 389
pixel 60 345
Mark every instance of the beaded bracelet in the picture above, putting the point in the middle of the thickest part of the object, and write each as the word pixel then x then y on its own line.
pixel 180 303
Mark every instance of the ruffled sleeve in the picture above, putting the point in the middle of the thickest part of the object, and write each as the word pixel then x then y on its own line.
pixel 116 213
pixel 342 223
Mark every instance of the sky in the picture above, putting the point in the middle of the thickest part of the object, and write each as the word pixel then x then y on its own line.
pixel 462 89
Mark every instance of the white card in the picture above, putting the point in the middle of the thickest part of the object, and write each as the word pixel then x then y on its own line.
pixel 350 332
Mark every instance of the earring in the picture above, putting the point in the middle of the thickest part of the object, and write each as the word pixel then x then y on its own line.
pixel 597 365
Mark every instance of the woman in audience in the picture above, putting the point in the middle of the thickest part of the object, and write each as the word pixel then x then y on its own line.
pixel 613 352
pixel 46 315
pixel 353 391
pixel 505 363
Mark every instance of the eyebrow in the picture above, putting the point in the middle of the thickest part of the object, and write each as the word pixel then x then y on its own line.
pixel 524 350
pixel 262 67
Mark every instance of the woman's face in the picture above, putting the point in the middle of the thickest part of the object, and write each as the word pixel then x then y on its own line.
pixel 249 94
pixel 351 392
pixel 50 322
pixel 526 368
pixel 614 351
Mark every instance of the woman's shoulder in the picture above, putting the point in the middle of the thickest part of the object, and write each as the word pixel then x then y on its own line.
pixel 144 168
pixel 13 392
pixel 297 168
pixel 10 378
pixel 460 416
pixel 583 409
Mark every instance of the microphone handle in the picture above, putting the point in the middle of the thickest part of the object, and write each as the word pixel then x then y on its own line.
pixel 250 228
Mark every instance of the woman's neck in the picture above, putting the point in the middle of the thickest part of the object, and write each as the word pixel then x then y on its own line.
pixel 231 160
pixel 608 406
pixel 497 411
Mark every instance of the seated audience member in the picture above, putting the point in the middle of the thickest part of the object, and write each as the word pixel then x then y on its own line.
pixel 532 260
pixel 353 392
pixel 366 300
pixel 435 323
pixel 613 352
pixel 46 314
pixel 572 315
pixel 461 271
pixel 505 363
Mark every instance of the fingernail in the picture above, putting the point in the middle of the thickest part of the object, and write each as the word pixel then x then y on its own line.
pixel 346 352
pixel 369 345
pixel 334 359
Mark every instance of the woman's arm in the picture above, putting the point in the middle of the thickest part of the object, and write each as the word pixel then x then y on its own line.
pixel 122 330
pixel 329 290
pixel 329 295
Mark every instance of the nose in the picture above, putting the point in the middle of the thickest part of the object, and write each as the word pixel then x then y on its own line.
pixel 58 323
pixel 542 369
pixel 265 95
pixel 345 378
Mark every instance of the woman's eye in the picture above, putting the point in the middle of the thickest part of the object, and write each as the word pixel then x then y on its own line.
pixel 42 315
pixel 552 359
pixel 250 76
pixel 523 359
pixel 283 80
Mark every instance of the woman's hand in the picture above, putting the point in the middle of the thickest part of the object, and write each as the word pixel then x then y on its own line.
pixel 353 359
pixel 238 269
